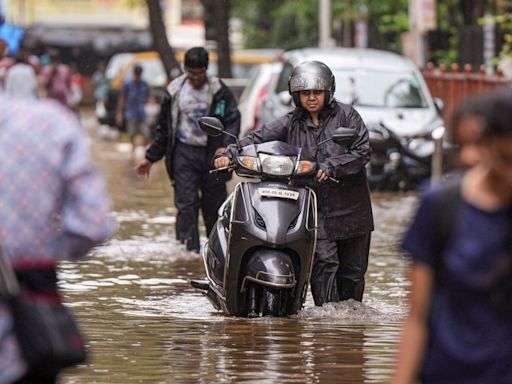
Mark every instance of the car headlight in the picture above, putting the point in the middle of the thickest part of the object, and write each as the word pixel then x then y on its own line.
pixel 422 147
pixel 424 144
pixel 438 133
pixel 432 134
pixel 277 165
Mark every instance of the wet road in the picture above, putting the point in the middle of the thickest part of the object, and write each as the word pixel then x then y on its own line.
pixel 145 324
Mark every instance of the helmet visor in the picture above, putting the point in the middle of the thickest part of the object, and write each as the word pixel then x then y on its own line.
pixel 309 81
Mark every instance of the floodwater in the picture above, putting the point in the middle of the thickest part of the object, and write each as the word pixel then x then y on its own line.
pixel 146 324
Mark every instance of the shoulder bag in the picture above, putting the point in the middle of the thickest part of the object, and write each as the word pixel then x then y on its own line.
pixel 47 332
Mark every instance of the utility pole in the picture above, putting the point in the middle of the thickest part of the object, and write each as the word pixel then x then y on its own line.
pixel 347 31
pixel 325 39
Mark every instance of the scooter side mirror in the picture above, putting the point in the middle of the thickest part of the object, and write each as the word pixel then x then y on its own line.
pixel 211 125
pixel 343 136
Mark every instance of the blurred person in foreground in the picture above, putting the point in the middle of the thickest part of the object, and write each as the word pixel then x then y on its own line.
pixel 467 129
pixel 345 218
pixel 130 107
pixel 188 150
pixel 459 326
pixel 53 206
pixel 21 79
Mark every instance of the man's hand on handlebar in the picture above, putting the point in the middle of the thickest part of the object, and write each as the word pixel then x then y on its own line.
pixel 322 176
pixel 221 162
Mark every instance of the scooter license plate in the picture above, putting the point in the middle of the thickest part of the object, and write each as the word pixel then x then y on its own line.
pixel 279 193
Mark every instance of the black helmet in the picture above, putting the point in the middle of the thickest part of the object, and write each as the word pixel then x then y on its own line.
pixel 311 75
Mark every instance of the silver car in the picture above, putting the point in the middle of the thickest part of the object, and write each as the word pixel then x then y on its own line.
pixel 263 77
pixel 384 87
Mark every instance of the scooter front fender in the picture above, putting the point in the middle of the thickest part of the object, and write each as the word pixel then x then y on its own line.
pixel 271 268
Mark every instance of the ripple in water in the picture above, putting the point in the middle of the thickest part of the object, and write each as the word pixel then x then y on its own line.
pixel 347 312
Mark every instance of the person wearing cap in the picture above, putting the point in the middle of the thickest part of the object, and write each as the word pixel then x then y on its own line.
pixel 130 107
pixel 345 219
pixel 188 151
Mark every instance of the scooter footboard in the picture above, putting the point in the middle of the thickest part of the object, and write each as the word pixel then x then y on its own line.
pixel 271 268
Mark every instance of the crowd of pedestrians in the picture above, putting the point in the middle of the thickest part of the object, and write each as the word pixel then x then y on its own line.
pixel 26 75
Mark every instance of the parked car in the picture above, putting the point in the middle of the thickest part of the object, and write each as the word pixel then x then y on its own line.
pixel 262 78
pixel 383 87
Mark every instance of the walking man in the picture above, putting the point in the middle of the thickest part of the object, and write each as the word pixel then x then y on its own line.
pixel 188 150
pixel 130 108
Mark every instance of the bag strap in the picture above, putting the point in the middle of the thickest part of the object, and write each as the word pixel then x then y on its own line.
pixel 446 212
pixel 9 286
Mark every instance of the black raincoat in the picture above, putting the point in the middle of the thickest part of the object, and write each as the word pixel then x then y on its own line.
pixel 345 207
pixel 223 106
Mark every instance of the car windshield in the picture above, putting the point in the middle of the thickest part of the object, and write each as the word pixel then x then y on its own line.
pixel 369 88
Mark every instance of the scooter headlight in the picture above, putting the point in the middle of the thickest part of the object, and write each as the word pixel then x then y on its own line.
pixel 277 165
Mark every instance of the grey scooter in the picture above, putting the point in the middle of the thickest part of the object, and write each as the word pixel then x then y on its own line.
pixel 259 255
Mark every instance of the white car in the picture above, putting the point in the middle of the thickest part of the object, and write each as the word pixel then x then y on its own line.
pixel 262 78
pixel 382 86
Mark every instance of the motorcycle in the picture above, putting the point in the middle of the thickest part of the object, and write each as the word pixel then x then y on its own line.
pixel 399 163
pixel 259 255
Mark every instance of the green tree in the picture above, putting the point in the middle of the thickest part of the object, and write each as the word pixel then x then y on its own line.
pixel 294 23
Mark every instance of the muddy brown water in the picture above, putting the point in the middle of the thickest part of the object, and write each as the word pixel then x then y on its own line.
pixel 145 324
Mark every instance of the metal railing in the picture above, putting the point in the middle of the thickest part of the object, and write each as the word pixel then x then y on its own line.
pixel 453 86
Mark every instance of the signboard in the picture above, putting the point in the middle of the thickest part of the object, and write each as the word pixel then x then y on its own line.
pixel 12 34
pixel 423 15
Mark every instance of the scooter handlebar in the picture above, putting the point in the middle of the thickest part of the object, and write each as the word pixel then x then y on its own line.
pixel 223 169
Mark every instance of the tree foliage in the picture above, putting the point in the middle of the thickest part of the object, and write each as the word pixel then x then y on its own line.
pixel 294 23
pixel 503 21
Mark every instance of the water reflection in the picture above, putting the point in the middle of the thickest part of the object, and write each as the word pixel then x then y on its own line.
pixel 145 324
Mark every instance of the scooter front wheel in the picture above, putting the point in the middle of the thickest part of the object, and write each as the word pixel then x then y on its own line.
pixel 274 302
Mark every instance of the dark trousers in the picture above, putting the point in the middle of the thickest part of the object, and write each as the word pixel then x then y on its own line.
pixel 32 378
pixel 339 268
pixel 194 188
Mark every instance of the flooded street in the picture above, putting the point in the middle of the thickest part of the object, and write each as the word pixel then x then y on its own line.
pixel 146 324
